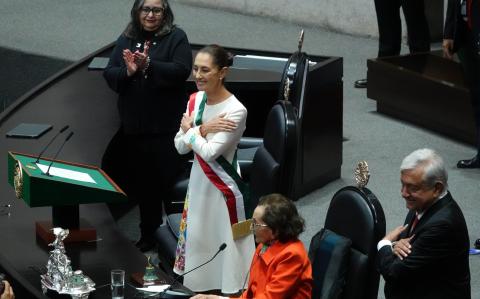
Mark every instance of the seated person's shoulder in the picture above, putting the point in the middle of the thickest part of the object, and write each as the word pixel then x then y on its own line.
pixel 296 248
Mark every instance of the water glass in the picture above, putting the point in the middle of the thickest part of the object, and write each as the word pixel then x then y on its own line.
pixel 117 283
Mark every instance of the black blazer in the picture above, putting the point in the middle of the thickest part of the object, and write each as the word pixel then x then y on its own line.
pixel 456 28
pixel 152 103
pixel 438 266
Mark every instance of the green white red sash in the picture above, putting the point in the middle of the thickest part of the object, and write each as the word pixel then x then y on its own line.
pixel 222 173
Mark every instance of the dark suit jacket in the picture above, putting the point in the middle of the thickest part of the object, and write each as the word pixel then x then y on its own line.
pixel 438 266
pixel 455 26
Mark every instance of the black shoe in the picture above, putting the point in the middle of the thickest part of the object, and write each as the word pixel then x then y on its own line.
pixel 362 83
pixel 145 244
pixel 472 163
pixel 477 244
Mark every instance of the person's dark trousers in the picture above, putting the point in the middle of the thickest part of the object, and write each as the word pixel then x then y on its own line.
pixel 113 163
pixel 147 167
pixel 390 26
pixel 470 60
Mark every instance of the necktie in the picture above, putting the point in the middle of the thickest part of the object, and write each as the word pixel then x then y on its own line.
pixel 414 223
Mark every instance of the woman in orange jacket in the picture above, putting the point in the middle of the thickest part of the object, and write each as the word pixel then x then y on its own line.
pixel 280 266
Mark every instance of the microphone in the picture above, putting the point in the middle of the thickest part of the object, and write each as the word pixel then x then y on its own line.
pixel 256 257
pixel 59 150
pixel 48 144
pixel 220 249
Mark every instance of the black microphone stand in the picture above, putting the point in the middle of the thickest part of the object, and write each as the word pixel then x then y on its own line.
pixel 59 150
pixel 169 294
pixel 48 144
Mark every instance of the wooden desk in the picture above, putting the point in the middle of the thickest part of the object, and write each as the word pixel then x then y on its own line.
pixel 424 89
pixel 82 100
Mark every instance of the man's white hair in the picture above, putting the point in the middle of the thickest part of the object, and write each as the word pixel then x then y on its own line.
pixel 432 164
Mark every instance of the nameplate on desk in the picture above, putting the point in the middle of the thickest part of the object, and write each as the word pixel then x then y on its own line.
pixel 26 130
pixel 155 288
pixel 98 63
pixel 67 173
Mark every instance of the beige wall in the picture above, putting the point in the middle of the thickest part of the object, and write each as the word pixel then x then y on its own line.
pixel 355 17
pixel 350 16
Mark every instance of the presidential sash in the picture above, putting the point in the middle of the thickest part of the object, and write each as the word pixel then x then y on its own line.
pixel 224 176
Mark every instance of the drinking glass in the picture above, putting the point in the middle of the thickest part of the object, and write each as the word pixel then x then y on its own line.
pixel 117 283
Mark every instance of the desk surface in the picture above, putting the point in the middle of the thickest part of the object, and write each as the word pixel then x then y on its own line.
pixel 81 99
pixel 92 115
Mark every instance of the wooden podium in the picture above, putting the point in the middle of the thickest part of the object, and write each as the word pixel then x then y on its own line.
pixel 65 187
pixel 424 89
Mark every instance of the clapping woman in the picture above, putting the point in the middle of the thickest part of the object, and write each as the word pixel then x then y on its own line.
pixel 148 69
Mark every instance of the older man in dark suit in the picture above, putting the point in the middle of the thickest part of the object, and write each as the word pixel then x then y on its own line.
pixel 462 35
pixel 427 257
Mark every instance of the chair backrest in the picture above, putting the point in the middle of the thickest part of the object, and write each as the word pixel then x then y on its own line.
pixel 272 171
pixel 293 80
pixel 357 214
pixel 273 165
pixel 329 254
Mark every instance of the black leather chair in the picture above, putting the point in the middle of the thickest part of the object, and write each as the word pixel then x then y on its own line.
pixel 290 89
pixel 355 215
pixel 272 171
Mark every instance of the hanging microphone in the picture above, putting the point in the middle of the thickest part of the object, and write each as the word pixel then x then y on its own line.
pixel 59 150
pixel 221 248
pixel 256 257
pixel 48 144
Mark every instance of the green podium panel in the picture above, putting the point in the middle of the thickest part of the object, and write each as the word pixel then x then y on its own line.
pixel 63 186
pixel 67 184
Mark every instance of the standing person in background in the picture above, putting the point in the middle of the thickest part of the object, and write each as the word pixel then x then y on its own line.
pixel 216 202
pixel 148 68
pixel 462 36
pixel 390 28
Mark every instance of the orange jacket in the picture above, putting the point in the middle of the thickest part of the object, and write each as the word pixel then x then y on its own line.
pixel 282 271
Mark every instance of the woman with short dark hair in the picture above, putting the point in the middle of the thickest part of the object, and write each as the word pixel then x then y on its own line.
pixel 280 267
pixel 136 28
pixel 282 217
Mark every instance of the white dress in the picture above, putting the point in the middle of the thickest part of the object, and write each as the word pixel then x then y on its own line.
pixel 206 222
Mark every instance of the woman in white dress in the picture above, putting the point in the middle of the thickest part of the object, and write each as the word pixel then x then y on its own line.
pixel 216 204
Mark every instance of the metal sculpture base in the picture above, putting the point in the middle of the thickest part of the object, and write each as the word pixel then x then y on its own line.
pixel 75 293
pixel 60 276
pixel 137 277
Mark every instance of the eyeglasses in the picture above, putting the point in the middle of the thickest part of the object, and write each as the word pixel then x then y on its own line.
pixel 157 11
pixel 254 225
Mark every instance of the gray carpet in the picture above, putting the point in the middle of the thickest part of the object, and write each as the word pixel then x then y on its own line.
pixel 69 30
